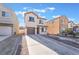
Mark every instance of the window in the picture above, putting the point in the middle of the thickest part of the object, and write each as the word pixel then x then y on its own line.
pixel 40 22
pixel 3 13
pixel 45 29
pixel 7 14
pixel 62 21
pixel 31 19
pixel 42 29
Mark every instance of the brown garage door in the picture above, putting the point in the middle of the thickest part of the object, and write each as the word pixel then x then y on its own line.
pixel 30 30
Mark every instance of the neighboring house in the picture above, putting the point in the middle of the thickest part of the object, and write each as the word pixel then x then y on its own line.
pixel 76 28
pixel 8 21
pixel 34 24
pixel 21 30
pixel 71 24
pixel 57 25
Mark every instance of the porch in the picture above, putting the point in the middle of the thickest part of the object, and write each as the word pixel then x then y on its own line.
pixel 41 29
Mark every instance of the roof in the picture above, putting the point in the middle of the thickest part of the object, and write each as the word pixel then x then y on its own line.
pixel 52 20
pixel 32 13
pixel 70 21
pixel 39 17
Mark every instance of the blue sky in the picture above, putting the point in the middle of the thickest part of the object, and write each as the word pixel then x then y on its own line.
pixel 46 10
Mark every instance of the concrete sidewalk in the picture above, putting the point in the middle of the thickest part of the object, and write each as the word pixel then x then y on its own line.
pixel 36 48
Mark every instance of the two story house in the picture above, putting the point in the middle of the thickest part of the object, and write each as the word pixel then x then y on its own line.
pixel 57 25
pixel 34 23
pixel 8 21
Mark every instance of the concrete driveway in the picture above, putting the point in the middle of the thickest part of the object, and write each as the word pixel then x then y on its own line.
pixel 9 45
pixel 3 37
pixel 43 45
pixel 36 48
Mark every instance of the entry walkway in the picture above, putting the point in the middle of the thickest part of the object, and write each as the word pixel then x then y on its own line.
pixel 36 48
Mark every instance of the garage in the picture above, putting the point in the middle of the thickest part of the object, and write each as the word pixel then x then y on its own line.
pixel 30 30
pixel 5 30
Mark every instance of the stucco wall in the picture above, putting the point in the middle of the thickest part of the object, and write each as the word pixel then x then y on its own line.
pixel 31 24
pixel 55 26
pixel 63 25
pixel 12 19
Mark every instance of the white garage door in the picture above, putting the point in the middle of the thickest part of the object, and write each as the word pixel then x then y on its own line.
pixel 4 30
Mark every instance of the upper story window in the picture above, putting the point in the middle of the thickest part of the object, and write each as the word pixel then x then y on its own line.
pixel 5 14
pixel 62 21
pixel 31 19
pixel 40 22
pixel 42 29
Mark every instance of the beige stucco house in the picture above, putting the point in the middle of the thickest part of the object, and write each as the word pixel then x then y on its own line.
pixel 57 25
pixel 34 23
pixel 8 21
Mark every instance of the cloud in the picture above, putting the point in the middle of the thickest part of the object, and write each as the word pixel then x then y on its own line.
pixel 55 16
pixel 24 8
pixel 20 13
pixel 51 8
pixel 39 10
pixel 43 16
pixel 44 10
pixel 71 19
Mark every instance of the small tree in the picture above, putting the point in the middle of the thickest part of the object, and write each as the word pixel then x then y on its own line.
pixel 68 31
